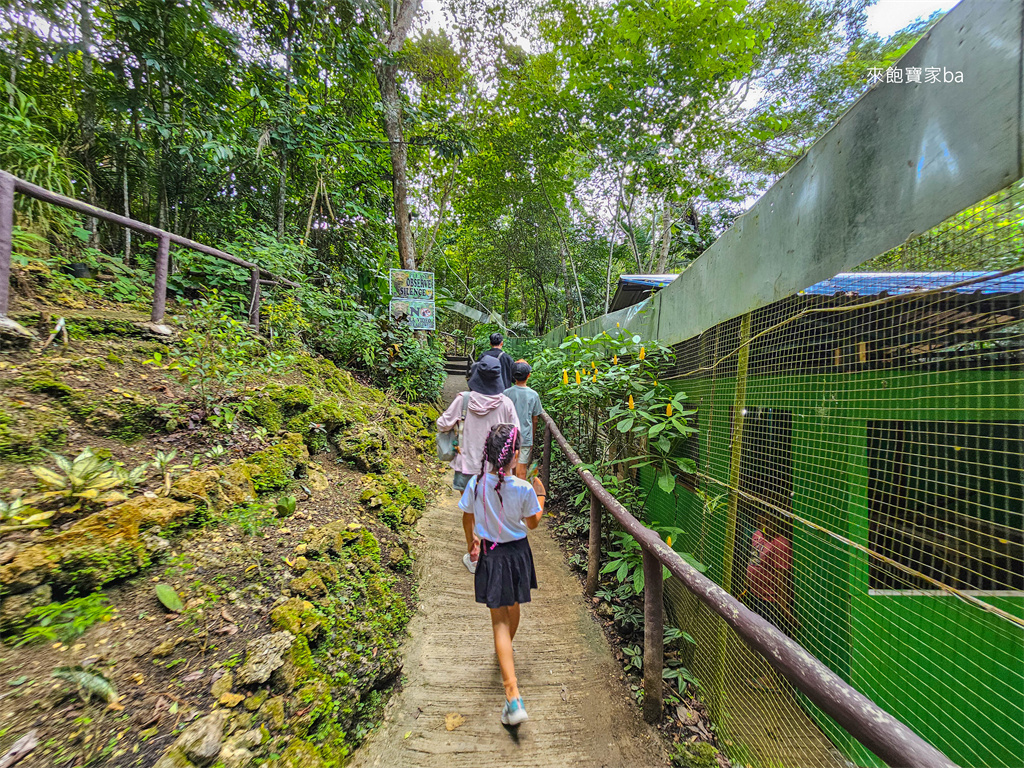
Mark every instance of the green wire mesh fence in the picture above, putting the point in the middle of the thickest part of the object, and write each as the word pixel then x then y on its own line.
pixel 860 484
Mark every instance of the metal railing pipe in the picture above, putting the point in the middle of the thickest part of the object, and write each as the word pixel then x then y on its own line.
pixel 872 726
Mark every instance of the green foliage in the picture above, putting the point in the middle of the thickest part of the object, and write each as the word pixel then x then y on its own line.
pixel 84 481
pixel 285 506
pixel 169 598
pixel 699 754
pixel 412 368
pixel 217 356
pixel 66 621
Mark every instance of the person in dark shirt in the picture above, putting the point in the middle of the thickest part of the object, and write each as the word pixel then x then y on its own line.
pixel 505 359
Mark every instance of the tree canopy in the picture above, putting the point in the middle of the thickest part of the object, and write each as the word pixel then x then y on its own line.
pixel 532 151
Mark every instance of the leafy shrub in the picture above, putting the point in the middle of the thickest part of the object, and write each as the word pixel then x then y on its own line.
pixel 66 621
pixel 86 479
pixel 412 368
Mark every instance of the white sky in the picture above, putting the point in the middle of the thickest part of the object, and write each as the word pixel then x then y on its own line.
pixel 884 18
pixel 888 16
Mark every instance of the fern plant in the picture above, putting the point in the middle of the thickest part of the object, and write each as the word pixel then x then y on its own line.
pixel 85 480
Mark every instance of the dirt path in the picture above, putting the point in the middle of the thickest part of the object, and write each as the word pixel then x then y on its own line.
pixel 581 714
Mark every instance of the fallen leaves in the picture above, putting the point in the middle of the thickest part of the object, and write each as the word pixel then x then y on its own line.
pixel 453 720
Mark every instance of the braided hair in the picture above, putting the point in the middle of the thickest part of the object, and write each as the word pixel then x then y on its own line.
pixel 501 444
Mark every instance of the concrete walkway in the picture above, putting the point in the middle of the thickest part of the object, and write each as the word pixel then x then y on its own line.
pixel 581 713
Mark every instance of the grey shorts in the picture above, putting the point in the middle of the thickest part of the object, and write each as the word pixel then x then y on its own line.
pixel 524 453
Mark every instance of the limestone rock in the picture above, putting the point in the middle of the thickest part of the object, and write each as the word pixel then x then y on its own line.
pixel 264 655
pixel 367 446
pixel 222 685
pixel 15 608
pixel 98 548
pixel 316 479
pixel 200 742
pixel 219 489
pixel 27 570
pixel 233 755
pixel 157 511
pixel 300 565
pixel 173 758
pixel 231 700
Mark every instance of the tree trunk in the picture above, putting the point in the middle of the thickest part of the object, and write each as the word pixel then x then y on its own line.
pixel 391 102
pixel 88 119
pixel 566 254
pixel 611 247
pixel 127 207
pixel 282 193
pixel 666 238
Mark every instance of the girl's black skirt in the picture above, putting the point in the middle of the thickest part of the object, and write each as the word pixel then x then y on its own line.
pixel 505 574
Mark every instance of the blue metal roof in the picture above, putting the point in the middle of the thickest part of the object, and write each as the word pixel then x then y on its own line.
pixel 895 283
pixel 647 281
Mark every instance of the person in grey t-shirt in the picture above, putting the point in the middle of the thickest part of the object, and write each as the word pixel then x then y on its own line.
pixel 527 403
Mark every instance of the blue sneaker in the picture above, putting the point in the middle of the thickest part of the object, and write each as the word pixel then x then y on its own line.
pixel 514 713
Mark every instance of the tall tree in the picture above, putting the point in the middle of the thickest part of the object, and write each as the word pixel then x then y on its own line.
pixel 400 16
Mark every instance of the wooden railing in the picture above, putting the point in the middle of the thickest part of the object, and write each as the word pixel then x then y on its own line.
pixel 876 729
pixel 10 184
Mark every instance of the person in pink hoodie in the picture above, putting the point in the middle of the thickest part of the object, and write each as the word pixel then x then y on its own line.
pixel 488 406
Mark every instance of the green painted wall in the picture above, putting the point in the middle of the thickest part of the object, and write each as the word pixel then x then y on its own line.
pixel 949 670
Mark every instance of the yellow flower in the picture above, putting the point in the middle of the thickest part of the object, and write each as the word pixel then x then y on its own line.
pixel 631 406
pixel 616 325
pixel 669 539
pixel 643 353
pixel 668 409
pixel 595 377
pixel 565 376
pixel 577 377
pixel 615 359
pixel 594 364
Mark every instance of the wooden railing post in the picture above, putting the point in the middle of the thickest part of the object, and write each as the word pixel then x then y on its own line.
pixel 254 299
pixel 654 636
pixel 594 553
pixel 160 278
pixel 6 239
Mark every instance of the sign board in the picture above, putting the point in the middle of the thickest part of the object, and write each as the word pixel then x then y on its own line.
pixel 409 284
pixel 419 314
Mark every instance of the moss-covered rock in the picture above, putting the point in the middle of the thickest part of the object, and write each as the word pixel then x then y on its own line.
pixel 364 550
pixel 266 413
pixel 299 754
pixel 25 431
pixel 314 701
pixel 298 617
pixel 125 415
pixel 218 489
pixel 322 421
pixel 159 511
pixel 309 585
pixel 272 711
pixel 292 399
pixel 395 500
pixel 277 465
pixel 15 609
pixel 700 754
pixel 367 446
pixel 95 550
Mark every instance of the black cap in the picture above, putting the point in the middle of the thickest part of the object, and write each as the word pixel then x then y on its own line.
pixel 485 376
pixel 520 370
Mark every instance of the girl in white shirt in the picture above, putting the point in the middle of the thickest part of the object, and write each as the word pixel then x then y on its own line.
pixel 498 509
